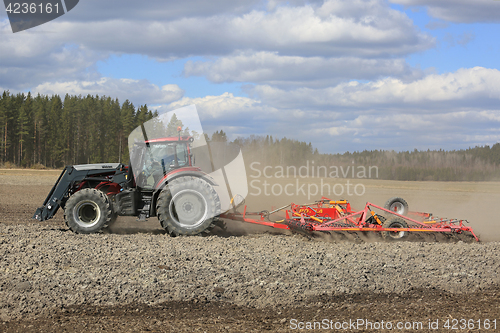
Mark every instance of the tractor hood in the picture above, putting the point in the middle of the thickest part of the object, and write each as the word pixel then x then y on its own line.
pixel 103 166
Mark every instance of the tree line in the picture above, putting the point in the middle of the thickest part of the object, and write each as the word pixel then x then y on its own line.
pixel 48 131
pixel 472 164
pixel 53 132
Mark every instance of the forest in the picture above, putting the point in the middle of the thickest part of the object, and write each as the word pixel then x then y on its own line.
pixel 50 132
pixel 472 164
pixel 53 132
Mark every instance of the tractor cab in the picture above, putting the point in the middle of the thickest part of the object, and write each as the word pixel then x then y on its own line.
pixel 159 157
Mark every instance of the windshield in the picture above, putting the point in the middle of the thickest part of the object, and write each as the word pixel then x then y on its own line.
pixel 158 160
pixel 170 154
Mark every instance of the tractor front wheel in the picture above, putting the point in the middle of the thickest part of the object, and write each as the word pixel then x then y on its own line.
pixel 188 206
pixel 87 211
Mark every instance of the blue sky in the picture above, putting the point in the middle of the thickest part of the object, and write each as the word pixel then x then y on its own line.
pixel 342 74
pixel 459 45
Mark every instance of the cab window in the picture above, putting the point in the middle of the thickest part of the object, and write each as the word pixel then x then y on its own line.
pixel 182 155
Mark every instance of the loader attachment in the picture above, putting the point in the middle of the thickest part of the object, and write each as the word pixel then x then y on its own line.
pixel 53 200
pixel 93 173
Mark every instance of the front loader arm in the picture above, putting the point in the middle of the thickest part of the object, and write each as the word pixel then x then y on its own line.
pixel 56 195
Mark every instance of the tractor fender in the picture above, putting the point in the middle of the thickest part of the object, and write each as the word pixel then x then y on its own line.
pixel 109 188
pixel 192 172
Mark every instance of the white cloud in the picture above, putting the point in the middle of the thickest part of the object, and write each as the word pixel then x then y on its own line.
pixel 239 116
pixel 473 86
pixel 219 106
pixel 137 91
pixel 243 111
pixel 375 30
pixel 453 110
pixel 405 131
pixel 29 58
pixel 367 36
pixel 270 68
pixel 98 10
pixel 460 11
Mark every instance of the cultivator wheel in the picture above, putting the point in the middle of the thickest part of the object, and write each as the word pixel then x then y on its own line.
pixel 397 205
pixel 395 235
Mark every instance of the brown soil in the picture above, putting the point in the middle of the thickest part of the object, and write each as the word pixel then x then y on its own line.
pixel 21 193
pixel 419 306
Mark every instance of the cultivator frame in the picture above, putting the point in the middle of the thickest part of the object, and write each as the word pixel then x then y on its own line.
pixel 337 216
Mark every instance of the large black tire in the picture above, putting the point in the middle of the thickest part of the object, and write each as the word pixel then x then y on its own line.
pixel 188 206
pixel 88 211
pixel 395 235
pixel 397 205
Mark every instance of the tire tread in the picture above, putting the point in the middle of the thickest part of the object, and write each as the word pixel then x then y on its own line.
pixel 95 195
pixel 166 196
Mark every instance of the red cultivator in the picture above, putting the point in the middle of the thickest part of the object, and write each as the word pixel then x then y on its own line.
pixel 393 221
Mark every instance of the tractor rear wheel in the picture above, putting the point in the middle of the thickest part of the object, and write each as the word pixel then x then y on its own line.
pixel 397 205
pixel 88 211
pixel 188 206
pixel 395 235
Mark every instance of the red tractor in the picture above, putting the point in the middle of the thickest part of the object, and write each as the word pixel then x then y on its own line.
pixel 164 183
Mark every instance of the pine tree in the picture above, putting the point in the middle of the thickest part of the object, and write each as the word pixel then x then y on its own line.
pixel 127 125
pixel 39 128
pixel 55 137
pixel 173 125
pixel 23 118
pixel 3 116
pixel 7 126
pixel 219 136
